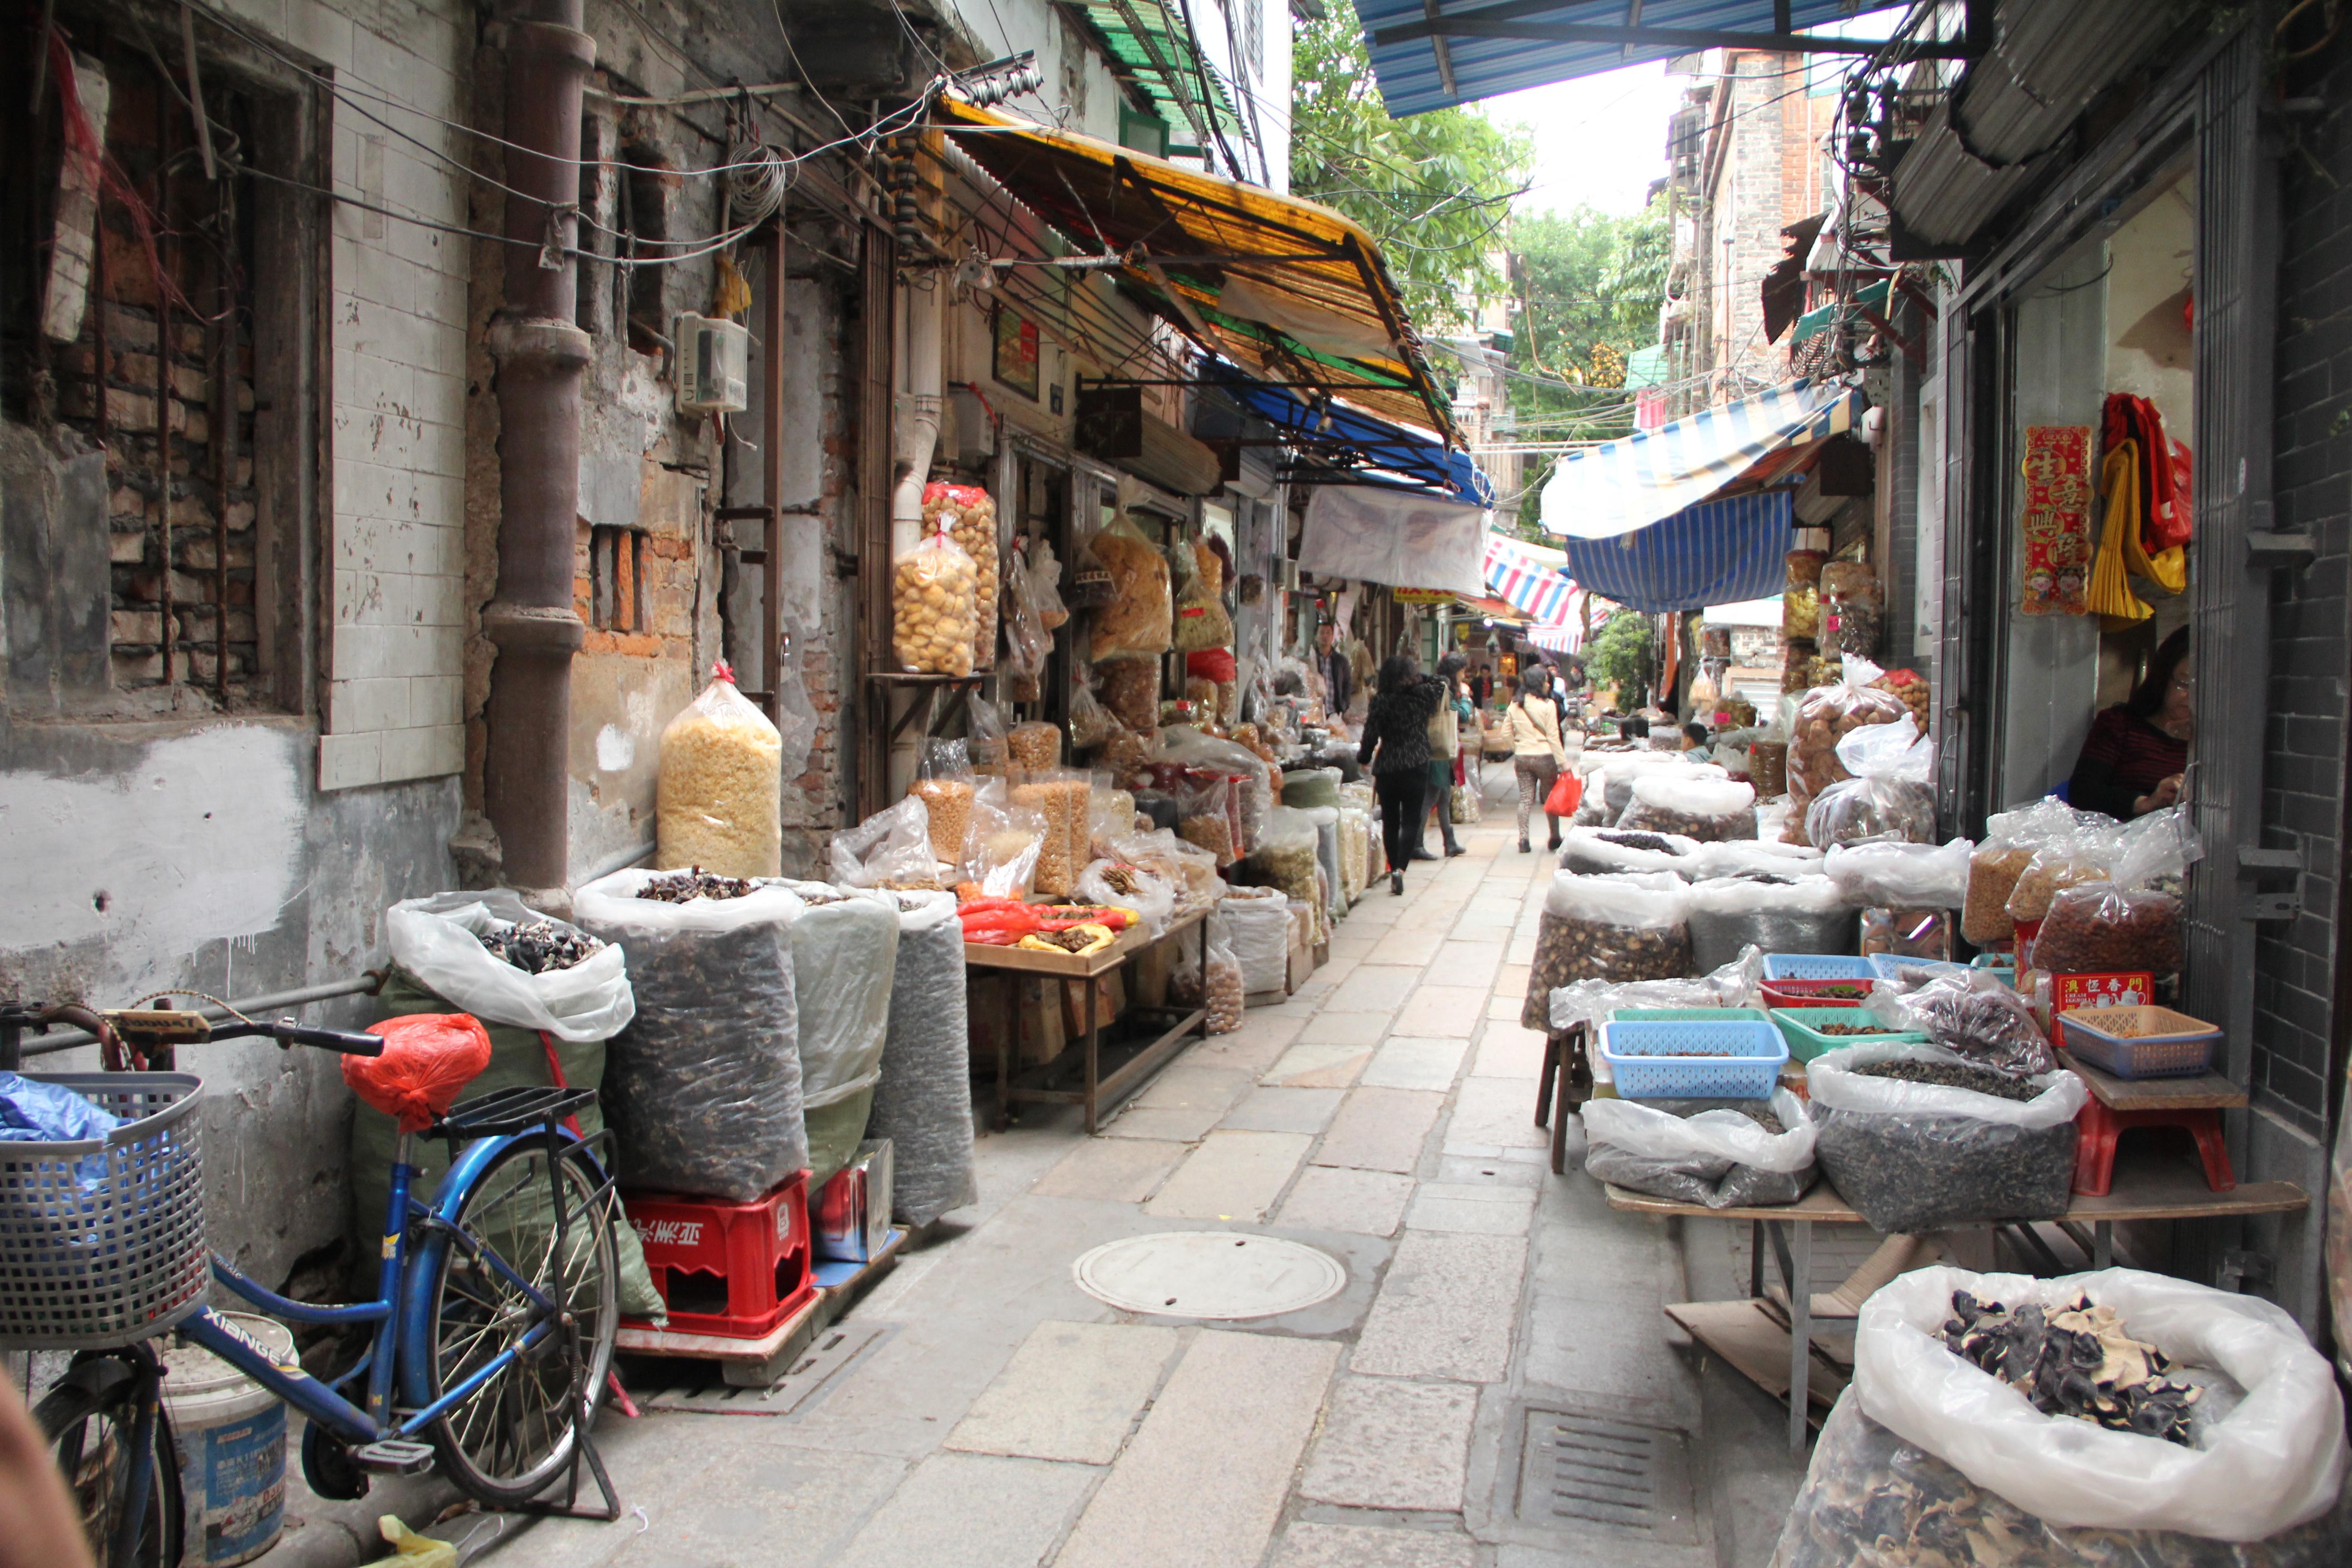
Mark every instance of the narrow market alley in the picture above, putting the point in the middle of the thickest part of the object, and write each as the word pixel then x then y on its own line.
pixel 995 1415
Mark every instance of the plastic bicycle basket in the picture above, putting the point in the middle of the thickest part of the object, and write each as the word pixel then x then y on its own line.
pixel 2139 1042
pixel 102 1239
pixel 1683 1059
pixel 1817 966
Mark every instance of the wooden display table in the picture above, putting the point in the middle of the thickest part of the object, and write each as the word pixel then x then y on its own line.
pixel 1768 1333
pixel 1047 1083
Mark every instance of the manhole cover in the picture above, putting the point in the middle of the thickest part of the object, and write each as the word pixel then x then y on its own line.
pixel 1587 1469
pixel 1209 1274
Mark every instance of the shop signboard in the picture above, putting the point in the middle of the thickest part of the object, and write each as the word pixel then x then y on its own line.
pixel 1013 361
pixel 2056 520
pixel 1422 596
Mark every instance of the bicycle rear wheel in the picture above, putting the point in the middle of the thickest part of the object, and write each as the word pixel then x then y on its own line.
pixel 513 1437
pixel 90 1420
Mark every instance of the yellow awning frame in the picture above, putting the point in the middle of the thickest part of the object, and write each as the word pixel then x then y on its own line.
pixel 1317 309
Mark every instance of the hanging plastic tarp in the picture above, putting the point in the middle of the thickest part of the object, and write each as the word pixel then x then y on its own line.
pixel 1396 537
pixel 1529 577
pixel 1717 553
pixel 1601 492
pixel 1338 437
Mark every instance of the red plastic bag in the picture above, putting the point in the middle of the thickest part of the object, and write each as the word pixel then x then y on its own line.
pixel 1212 664
pixel 427 1059
pixel 1566 794
pixel 998 927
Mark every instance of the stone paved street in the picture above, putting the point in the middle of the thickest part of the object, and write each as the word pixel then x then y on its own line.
pixel 1005 1419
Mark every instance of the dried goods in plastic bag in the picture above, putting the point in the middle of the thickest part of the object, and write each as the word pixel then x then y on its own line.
pixel 1027 640
pixel 1033 745
pixel 1090 586
pixel 1590 1000
pixel 1825 716
pixel 1130 689
pixel 1137 620
pixel 1706 810
pixel 1600 851
pixel 438 940
pixel 946 802
pixel 984 735
pixel 1221 971
pixel 1702 1151
pixel 891 848
pixel 922 1101
pixel 1972 1015
pixel 1150 894
pixel 1856 811
pixel 934 607
pixel 1046 585
pixel 1257 921
pixel 1802 914
pixel 1006 840
pixel 967 515
pixel 1615 928
pixel 1911 875
pixel 718 801
pixel 1060 795
pixel 844 956
pixel 1201 621
pixel 1091 722
pixel 2085 855
pixel 2098 928
pixel 1763 858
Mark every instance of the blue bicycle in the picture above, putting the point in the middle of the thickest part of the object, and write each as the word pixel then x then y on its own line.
pixel 494 1316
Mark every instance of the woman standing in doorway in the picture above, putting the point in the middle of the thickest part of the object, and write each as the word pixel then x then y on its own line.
pixel 1538 754
pixel 1396 726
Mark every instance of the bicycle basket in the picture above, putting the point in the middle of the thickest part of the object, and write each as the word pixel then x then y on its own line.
pixel 102 1239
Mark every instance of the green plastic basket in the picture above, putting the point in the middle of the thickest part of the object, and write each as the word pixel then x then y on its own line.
pixel 1688 1015
pixel 1806 1042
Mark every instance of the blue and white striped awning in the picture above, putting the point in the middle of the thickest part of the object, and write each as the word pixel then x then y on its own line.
pixel 1527 578
pixel 1600 492
pixel 1718 552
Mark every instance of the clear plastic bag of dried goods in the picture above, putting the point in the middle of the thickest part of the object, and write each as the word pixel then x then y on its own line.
pixel 1591 1001
pixel 1258 921
pixel 1091 722
pixel 2155 851
pixel 1150 895
pixel 1006 840
pixel 1888 794
pixel 2087 854
pixel 1090 586
pixel 1201 621
pixel 1130 689
pixel 922 1100
pixel 718 801
pixel 438 940
pixel 1971 1012
pixel 2098 928
pixel 966 514
pixel 1825 716
pixel 1800 914
pixel 1760 858
pixel 1046 585
pixel 1110 814
pixel 1136 621
pixel 984 735
pixel 1706 810
pixel 1187 747
pixel 2274 1460
pixel 1872 1500
pixel 945 786
pixel 1061 794
pixel 1033 745
pixel 1221 970
pixel 1948 1145
pixel 703 1087
pixel 1715 1153
pixel 934 607
pixel 1191 870
pixel 1602 851
pixel 2010 839
pixel 1616 927
pixel 891 848
pixel 1889 872
pixel 844 956
pixel 1027 641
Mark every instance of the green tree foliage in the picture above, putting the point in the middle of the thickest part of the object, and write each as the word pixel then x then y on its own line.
pixel 1587 286
pixel 1433 189
pixel 1621 655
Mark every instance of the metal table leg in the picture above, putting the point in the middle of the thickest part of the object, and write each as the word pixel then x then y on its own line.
pixel 2103 1247
pixel 1795 1257
pixel 1756 1259
pixel 1008 1046
pixel 1093 1053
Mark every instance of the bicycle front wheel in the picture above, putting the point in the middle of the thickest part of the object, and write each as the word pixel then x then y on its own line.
pixel 90 1420
pixel 513 1438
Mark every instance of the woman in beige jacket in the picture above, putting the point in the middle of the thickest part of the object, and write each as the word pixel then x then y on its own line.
pixel 1537 753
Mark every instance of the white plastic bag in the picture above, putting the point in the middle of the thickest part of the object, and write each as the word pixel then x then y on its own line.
pixel 1720 1158
pixel 1800 914
pixel 1604 851
pixel 1707 810
pixel 1890 874
pixel 1129 888
pixel 2273 1462
pixel 1616 927
pixel 1740 857
pixel 1591 1001
pixel 438 940
pixel 922 1101
pixel 844 956
pixel 891 848
pixel 1258 921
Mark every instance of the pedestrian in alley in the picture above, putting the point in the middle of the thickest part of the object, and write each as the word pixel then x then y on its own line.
pixel 1331 664
pixel 1537 752
pixel 1396 748
pixel 1444 759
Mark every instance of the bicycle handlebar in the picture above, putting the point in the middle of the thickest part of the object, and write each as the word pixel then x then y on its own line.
pixel 345 1042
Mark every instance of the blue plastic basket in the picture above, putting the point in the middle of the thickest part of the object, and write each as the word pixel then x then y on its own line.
pixel 1886 965
pixel 1817 966
pixel 1688 1059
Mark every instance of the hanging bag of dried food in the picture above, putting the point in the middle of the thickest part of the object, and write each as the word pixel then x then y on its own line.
pixel 1130 689
pixel 967 515
pixel 703 1087
pixel 1919 1138
pixel 718 801
pixel 1886 792
pixel 1201 622
pixel 1136 621
pixel 891 848
pixel 1090 586
pixel 935 593
pixel 2274 1458
pixel 1825 716
pixel 577 990
pixel 1615 928
pixel 1091 722
pixel 1703 1152
pixel 1027 641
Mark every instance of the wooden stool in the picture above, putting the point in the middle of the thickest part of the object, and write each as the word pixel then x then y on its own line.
pixel 2117 1105
pixel 1564 1085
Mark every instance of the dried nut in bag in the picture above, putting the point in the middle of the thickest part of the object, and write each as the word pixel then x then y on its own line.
pixel 718 798
pixel 950 804
pixel 1063 804
pixel 1993 873
pixel 1033 745
pixel 1826 716
pixel 934 600
pixel 1625 927
pixel 1139 617
pixel 968 515
pixel 2099 928
pixel 1130 689
pixel 1706 810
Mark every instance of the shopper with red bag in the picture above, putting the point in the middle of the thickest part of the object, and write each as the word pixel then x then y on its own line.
pixel 1538 753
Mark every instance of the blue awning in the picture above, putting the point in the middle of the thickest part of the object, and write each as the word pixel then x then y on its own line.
pixel 1373 451
pixel 1717 553
pixel 1431 54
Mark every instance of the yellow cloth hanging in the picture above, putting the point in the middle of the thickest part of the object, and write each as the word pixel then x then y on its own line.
pixel 2109 596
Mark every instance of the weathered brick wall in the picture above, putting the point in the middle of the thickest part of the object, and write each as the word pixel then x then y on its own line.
pixel 2297 980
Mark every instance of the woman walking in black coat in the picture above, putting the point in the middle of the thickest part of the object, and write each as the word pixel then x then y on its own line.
pixel 1396 726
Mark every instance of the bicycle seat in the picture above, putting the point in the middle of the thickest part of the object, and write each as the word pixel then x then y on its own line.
pixel 428 1058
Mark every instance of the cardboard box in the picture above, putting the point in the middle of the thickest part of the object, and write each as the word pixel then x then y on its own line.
pixel 1042 1033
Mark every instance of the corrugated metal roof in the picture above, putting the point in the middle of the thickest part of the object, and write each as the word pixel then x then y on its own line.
pixel 1425 73
pixel 1153 46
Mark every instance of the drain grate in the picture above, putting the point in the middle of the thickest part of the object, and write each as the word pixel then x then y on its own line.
pixel 1583 1469
pixel 699 1387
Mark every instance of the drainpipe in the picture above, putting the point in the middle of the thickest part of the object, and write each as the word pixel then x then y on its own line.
pixel 917 437
pixel 541 354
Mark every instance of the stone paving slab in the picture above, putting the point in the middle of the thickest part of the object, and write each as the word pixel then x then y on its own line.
pixel 1071 1391
pixel 1125 1170
pixel 1447 1011
pixel 1231 1176
pixel 1509 1050
pixel 1495 1113
pixel 1308 1544
pixel 1371 1203
pixel 968 1510
pixel 1511 979
pixel 1346 1028
pixel 1176 1124
pixel 1283 1111
pixel 1403 1062
pixel 1390 1444
pixel 1483 1208
pixel 1413 946
pixel 1324 1064
pixel 1380 1130
pixel 1196 1488
pixel 1446 1309
pixel 1467 964
pixel 1184 1086
pixel 1380 988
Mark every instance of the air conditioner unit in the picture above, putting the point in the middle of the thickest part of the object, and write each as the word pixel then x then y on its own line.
pixel 713 365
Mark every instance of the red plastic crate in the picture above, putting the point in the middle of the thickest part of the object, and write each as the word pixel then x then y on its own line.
pixel 734 1270
pixel 1811 993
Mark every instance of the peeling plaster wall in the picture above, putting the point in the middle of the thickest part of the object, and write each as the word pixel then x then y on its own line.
pixel 153 855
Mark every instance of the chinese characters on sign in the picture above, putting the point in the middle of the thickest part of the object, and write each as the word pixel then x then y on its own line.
pixel 2056 520
pixel 1013 361
pixel 2121 989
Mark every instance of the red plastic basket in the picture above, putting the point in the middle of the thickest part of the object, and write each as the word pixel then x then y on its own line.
pixel 1814 993
pixel 733 1270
